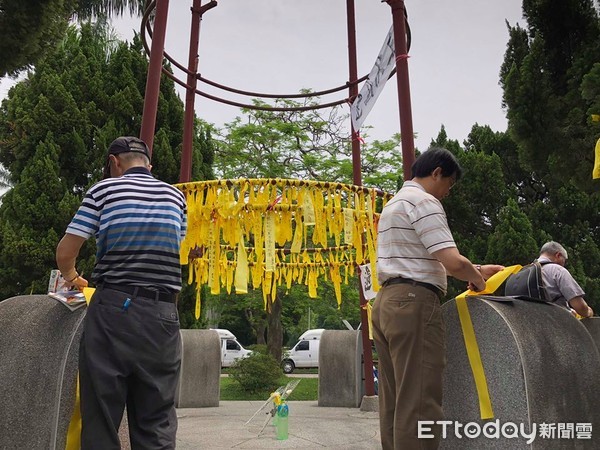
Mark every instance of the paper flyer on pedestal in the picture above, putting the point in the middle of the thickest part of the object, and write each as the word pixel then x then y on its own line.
pixel 366 279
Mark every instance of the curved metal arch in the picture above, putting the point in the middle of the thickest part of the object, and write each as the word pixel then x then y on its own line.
pixel 145 26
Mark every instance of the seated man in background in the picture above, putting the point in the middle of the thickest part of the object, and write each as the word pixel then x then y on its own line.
pixel 561 288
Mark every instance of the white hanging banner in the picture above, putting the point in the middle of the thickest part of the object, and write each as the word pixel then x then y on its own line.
pixel 366 279
pixel 384 65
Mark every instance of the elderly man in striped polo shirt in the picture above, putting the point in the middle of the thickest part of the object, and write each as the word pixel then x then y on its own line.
pixel 416 252
pixel 130 351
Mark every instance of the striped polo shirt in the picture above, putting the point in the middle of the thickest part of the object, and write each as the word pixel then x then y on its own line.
pixel 139 223
pixel 411 227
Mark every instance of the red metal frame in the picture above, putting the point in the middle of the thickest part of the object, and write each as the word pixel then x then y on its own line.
pixel 153 88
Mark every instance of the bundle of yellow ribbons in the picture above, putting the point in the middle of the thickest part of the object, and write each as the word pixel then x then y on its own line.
pixel 274 232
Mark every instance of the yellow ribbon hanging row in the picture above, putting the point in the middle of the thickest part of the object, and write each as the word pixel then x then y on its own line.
pixel 261 217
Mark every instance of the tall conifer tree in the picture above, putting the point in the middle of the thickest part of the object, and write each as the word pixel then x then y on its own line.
pixel 55 127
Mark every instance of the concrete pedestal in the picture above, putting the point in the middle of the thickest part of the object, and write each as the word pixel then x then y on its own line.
pixel 199 385
pixel 340 369
pixel 39 345
pixel 593 326
pixel 541 367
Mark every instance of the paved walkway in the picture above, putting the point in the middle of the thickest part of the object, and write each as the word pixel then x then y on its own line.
pixel 310 427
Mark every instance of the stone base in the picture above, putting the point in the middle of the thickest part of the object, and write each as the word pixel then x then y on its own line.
pixel 370 403
pixel 124 433
pixel 340 369
pixel 541 366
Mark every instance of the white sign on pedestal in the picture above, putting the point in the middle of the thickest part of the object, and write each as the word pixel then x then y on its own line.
pixel 366 279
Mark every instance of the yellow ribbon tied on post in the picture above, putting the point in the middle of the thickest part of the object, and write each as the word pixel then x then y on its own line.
pixel 596 171
pixel 73 441
pixel 492 284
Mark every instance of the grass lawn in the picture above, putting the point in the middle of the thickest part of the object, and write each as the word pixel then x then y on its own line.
pixel 297 371
pixel 307 389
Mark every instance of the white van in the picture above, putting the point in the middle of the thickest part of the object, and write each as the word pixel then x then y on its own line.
pixel 231 349
pixel 305 353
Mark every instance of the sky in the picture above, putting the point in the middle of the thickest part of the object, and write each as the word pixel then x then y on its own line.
pixel 282 46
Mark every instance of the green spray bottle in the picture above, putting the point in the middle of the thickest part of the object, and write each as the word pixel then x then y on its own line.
pixel 282 420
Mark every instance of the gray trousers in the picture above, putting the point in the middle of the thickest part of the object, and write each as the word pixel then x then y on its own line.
pixel 408 331
pixel 129 356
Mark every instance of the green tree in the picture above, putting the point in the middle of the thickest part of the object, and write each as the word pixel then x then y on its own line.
pixel 312 145
pixel 55 127
pixel 586 269
pixel 512 241
pixel 550 78
pixel 473 206
pixel 32 213
pixel 245 315
pixel 31 29
pixel 543 77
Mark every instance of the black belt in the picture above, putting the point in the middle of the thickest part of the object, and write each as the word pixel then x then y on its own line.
pixel 139 291
pixel 400 280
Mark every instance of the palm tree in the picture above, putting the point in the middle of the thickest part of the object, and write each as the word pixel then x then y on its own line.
pixel 97 8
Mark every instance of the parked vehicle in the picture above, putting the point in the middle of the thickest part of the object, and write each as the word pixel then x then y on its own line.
pixel 231 349
pixel 305 354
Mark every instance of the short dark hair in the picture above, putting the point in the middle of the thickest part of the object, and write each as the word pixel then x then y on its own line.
pixel 433 158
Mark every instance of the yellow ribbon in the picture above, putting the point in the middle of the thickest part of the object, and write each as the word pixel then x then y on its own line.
pixel 369 309
pixel 279 219
pixel 348 225
pixel 269 233
pixel 74 431
pixel 596 171
pixel 494 282
pixel 87 293
pixel 198 305
pixel 241 270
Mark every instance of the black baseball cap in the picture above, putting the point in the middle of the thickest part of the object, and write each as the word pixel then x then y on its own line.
pixel 125 144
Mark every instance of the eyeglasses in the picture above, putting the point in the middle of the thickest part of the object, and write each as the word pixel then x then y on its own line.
pixel 452 182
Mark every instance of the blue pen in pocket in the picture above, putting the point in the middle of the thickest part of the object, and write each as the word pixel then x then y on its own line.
pixel 126 304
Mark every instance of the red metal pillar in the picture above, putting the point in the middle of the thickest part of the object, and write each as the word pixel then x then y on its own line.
pixel 357 179
pixel 185 173
pixel 154 71
pixel 198 10
pixel 406 125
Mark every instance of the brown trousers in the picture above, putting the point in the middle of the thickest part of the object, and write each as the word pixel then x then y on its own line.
pixel 408 331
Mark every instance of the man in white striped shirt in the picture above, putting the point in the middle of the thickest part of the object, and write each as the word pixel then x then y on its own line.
pixel 415 253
